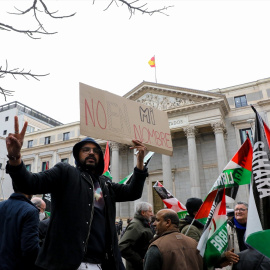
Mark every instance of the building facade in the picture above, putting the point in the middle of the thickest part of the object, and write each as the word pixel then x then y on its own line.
pixel 207 129
pixel 36 121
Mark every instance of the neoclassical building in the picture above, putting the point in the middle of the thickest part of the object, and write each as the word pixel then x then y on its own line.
pixel 207 128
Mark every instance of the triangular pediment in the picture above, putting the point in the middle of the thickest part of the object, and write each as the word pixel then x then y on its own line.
pixel 171 98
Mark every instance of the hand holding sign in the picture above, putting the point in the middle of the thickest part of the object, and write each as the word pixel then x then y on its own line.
pixel 140 147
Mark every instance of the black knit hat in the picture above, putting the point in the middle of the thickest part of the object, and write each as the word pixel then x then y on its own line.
pixel 193 205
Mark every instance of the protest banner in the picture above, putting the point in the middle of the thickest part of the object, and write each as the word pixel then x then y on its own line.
pixel 107 116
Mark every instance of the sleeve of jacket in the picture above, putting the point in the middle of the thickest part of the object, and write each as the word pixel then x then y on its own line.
pixel 29 238
pixel 133 190
pixel 153 259
pixel 38 183
pixel 191 232
pixel 126 244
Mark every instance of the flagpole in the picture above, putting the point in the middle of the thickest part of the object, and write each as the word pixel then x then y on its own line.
pixel 189 226
pixel 155 69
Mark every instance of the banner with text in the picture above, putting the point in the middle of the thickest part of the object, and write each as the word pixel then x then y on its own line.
pixel 107 116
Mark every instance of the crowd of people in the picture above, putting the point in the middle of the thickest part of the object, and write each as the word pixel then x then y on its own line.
pixel 82 232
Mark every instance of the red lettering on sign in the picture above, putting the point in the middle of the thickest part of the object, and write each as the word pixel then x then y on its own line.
pixel 105 124
pixel 145 134
pixel 94 117
pixel 86 106
pixel 138 134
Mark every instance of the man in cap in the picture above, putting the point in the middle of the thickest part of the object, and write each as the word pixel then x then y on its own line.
pixel 189 226
pixel 82 230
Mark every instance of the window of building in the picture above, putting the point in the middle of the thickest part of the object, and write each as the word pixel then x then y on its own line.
pixel 5 132
pixel 45 166
pixel 28 167
pixel 48 140
pixel 240 101
pixel 0 166
pixel 66 136
pixel 6 118
pixel 30 144
pixel 243 134
pixel 65 160
pixel 30 129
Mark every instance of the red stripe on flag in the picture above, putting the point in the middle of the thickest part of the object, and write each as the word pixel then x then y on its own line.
pixel 267 133
pixel 106 158
pixel 244 156
pixel 222 209
pixel 206 206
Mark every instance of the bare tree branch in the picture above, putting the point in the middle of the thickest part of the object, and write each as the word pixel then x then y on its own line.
pixel 29 32
pixel 40 28
pixel 6 92
pixel 14 73
pixel 132 7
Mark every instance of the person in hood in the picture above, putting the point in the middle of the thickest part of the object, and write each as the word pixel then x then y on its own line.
pixel 81 232
pixel 193 230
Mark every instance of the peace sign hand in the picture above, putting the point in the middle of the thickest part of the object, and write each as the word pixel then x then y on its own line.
pixel 14 141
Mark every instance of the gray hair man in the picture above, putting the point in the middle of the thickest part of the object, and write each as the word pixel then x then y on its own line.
pixel 134 243
pixel 41 205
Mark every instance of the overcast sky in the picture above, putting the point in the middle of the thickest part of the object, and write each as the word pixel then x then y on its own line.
pixel 201 45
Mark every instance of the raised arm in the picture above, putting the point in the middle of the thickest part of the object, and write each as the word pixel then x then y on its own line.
pixel 14 142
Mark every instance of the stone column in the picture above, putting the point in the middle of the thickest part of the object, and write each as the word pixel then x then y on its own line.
pixel 115 169
pixel 54 158
pixel 167 173
pixel 35 163
pixel 190 132
pixel 219 129
pixel 124 206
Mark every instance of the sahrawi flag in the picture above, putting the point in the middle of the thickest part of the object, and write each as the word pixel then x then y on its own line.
pixel 146 160
pixel 258 222
pixel 214 239
pixel 237 172
pixel 169 200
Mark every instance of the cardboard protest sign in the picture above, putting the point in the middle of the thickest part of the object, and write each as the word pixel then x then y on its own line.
pixel 107 116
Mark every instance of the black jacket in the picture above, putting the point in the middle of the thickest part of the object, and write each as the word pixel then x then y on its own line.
pixel 19 220
pixel 251 259
pixel 72 206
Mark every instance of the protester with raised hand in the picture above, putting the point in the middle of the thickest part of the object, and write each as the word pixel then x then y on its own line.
pixel 82 224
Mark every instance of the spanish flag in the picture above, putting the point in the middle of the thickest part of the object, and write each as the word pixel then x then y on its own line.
pixel 151 62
